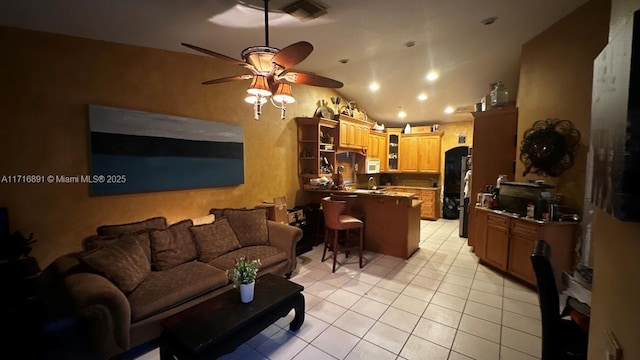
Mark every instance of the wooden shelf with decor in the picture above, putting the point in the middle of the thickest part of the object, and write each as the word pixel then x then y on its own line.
pixel 315 136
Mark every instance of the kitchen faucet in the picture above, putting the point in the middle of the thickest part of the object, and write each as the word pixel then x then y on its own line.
pixel 371 184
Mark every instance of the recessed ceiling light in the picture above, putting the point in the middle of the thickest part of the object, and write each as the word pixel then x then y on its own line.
pixel 374 86
pixel 402 114
pixel 433 75
pixel 422 97
pixel 410 44
pixel 343 61
pixel 449 110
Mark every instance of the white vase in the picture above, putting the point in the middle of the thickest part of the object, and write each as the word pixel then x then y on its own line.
pixel 246 292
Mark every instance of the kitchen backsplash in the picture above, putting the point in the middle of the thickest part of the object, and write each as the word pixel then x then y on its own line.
pixel 419 180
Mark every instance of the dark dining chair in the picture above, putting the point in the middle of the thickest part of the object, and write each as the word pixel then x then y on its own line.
pixel 561 338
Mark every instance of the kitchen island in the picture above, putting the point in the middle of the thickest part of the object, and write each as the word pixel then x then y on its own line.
pixel 392 220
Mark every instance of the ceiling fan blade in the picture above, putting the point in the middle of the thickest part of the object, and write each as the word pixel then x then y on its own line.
pixel 227 79
pixel 293 54
pixel 215 54
pixel 298 77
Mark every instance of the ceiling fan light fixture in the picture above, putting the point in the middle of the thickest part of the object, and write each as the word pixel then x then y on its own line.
pixel 252 99
pixel 260 57
pixel 283 94
pixel 259 86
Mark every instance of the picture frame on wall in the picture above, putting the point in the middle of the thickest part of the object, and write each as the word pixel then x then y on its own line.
pixel 134 151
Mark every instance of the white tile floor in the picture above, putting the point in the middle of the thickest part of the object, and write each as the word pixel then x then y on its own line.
pixel 439 304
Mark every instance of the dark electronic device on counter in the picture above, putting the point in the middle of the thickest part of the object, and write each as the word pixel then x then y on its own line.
pixel 515 196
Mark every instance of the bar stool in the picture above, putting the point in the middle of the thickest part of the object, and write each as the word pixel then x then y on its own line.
pixel 350 209
pixel 335 219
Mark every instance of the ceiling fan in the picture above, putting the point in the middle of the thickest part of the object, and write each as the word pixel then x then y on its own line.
pixel 271 71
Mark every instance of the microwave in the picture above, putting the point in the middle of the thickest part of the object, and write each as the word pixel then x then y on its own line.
pixel 372 166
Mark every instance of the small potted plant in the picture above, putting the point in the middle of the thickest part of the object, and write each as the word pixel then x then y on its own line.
pixel 244 275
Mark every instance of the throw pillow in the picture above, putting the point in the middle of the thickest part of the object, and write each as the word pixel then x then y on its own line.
pixel 123 262
pixel 141 237
pixel 173 246
pixel 155 223
pixel 214 239
pixel 249 225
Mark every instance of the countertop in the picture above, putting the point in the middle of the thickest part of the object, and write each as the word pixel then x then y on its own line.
pixel 409 187
pixel 524 218
pixel 381 192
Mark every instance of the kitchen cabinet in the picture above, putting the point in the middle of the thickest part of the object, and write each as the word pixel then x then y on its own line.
pixel 480 228
pixel 430 197
pixel 496 246
pixel 315 147
pixel 377 148
pixel 506 242
pixel 420 153
pixel 393 144
pixel 494 153
pixel 353 134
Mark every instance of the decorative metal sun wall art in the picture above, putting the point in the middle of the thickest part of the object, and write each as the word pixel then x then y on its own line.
pixel 549 147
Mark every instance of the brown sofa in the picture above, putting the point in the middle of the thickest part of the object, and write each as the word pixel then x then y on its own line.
pixel 131 276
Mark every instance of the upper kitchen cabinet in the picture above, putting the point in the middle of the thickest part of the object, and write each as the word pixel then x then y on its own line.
pixel 393 149
pixel 316 147
pixel 420 152
pixel 377 148
pixel 354 133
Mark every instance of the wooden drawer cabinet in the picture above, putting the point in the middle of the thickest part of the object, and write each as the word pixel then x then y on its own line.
pixel 523 237
pixel 506 243
pixel 430 208
pixel 496 247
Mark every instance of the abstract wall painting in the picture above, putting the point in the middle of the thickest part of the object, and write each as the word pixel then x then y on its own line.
pixel 135 151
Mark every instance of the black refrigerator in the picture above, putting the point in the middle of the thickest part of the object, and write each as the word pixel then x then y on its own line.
pixel 453 173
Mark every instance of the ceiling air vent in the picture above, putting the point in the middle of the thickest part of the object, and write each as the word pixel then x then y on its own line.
pixel 305 10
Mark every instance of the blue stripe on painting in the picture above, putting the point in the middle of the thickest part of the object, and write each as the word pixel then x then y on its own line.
pixel 145 174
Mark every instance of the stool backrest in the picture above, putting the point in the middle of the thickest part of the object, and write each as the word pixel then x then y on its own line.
pixel 332 209
pixel 350 199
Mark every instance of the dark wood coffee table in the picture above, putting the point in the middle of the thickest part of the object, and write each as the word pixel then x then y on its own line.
pixel 219 325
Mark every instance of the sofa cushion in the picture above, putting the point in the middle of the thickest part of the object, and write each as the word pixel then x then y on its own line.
pixel 142 237
pixel 155 223
pixel 164 289
pixel 268 256
pixel 172 246
pixel 123 262
pixel 249 225
pixel 214 239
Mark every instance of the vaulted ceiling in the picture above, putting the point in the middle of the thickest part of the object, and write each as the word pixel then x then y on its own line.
pixel 393 43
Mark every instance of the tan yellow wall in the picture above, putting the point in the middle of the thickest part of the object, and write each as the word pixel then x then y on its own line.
pixel 555 81
pixel 47 83
pixel 616 247
pixel 556 70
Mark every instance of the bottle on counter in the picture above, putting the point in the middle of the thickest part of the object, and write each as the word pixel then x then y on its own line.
pixel 530 210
